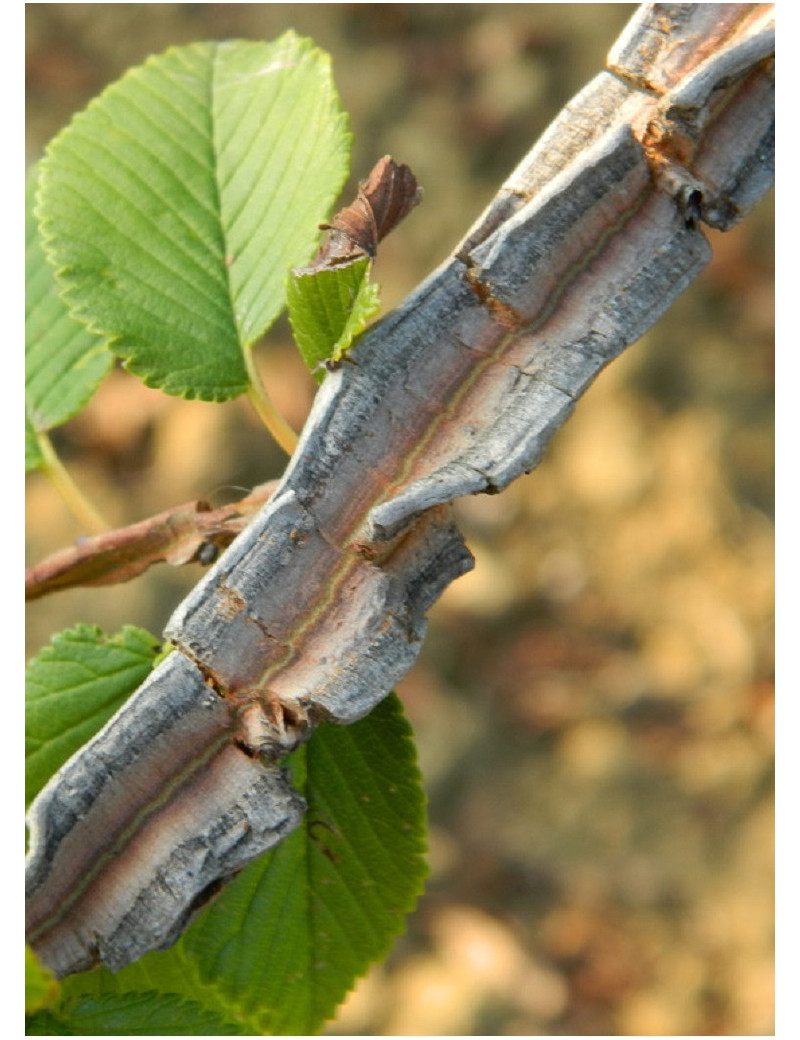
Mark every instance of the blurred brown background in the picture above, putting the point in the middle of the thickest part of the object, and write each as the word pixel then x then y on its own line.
pixel 594 702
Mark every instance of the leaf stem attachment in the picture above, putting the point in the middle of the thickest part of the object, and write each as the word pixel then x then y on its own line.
pixel 263 404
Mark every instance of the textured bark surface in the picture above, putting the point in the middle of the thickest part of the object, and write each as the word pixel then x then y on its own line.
pixel 197 806
pixel 318 607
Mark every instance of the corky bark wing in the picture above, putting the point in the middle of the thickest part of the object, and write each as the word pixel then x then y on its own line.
pixel 318 607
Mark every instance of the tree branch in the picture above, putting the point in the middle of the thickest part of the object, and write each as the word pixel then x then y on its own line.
pixel 317 608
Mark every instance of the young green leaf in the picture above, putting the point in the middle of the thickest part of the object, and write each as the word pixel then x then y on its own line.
pixel 328 308
pixel 174 204
pixel 283 943
pixel 72 687
pixel 64 362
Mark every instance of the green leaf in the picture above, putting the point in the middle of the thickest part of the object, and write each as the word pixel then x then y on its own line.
pixel 45 1024
pixel 174 204
pixel 304 923
pixel 328 308
pixel 41 988
pixel 142 1014
pixel 72 687
pixel 283 943
pixel 64 362
pixel 34 459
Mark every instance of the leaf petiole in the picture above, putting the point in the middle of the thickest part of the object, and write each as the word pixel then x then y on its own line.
pixel 263 404
pixel 74 499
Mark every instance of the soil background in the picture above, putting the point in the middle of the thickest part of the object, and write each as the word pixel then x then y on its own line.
pixel 594 703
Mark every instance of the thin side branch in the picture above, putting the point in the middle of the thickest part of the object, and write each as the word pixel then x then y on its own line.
pixel 193 531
